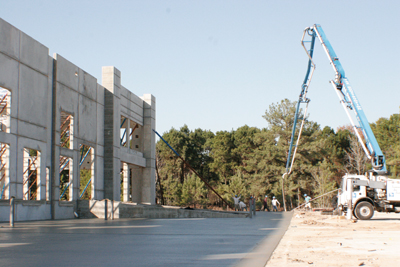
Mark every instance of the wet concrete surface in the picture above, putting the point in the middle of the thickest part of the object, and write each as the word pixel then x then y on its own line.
pixel 143 242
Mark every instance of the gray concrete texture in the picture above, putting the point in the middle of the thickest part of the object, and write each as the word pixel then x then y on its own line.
pixel 144 242
pixel 42 92
pixel 117 209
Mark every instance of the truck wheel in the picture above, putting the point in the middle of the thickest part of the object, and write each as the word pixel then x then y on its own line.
pixel 364 210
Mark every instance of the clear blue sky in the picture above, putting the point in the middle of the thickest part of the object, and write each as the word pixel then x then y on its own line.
pixel 218 65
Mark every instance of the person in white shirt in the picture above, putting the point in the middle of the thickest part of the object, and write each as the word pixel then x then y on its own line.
pixel 242 206
pixel 236 201
pixel 274 204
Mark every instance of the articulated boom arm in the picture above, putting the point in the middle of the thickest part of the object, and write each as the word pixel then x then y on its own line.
pixel 347 97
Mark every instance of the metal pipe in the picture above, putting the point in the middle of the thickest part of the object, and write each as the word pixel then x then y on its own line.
pixel 315 198
pixel 65 190
pixel 112 209
pixel 105 209
pixel 84 190
pixel 355 129
pixel 83 159
pixel 12 208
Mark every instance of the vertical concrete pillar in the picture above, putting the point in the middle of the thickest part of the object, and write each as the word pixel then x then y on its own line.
pixel 125 171
pixel 4 172
pixel 92 173
pixel 127 132
pixel 111 80
pixel 72 183
pixel 39 177
pixel 25 176
pixel 148 190
pixel 136 182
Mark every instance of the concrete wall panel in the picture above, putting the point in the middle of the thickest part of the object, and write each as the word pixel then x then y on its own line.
pixel 33 53
pixel 33 91
pixel 132 158
pixel 99 178
pixel 32 131
pixel 100 94
pixel 100 124
pixel 87 119
pixel 70 106
pixel 8 73
pixel 87 85
pixel 64 211
pixel 67 73
pixel 9 41
pixel 27 71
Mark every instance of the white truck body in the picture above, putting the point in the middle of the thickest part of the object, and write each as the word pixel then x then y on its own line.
pixel 382 193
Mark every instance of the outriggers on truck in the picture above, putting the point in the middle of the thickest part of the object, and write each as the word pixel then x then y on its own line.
pixel 358 195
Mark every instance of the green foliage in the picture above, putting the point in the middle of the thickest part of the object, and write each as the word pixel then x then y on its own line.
pixel 387 133
pixel 194 192
pixel 251 161
pixel 85 176
pixel 64 180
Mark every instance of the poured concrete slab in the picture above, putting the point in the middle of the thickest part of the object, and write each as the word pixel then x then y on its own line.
pixel 144 242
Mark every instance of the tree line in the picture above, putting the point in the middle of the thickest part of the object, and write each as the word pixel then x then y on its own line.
pixel 250 161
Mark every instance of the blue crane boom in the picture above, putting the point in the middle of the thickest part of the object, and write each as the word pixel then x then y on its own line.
pixel 347 97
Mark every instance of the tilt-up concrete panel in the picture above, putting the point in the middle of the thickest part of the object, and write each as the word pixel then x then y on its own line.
pixel 87 122
pixel 44 87
pixel 70 106
pixel 8 72
pixel 9 41
pixel 33 53
pixel 148 180
pixel 67 73
pixel 30 94
pixel 87 85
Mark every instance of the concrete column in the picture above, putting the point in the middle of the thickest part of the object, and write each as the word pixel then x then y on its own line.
pixel 39 176
pixel 25 172
pixel 5 183
pixel 148 190
pixel 136 181
pixel 111 80
pixel 127 132
pixel 92 172
pixel 71 188
pixel 125 171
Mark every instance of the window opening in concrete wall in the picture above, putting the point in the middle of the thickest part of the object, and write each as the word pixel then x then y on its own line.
pixel 66 130
pixel 47 183
pixel 86 172
pixel 4 171
pixel 5 109
pixel 123 131
pixel 136 138
pixel 132 136
pixel 31 175
pixel 66 178
pixel 126 186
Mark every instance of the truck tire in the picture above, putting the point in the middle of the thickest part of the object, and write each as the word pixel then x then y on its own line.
pixel 364 210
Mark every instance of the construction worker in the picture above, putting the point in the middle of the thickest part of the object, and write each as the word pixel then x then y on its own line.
pixel 242 206
pixel 265 202
pixel 307 199
pixel 274 204
pixel 252 204
pixel 236 201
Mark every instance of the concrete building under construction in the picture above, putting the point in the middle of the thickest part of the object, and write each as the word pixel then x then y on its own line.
pixel 65 138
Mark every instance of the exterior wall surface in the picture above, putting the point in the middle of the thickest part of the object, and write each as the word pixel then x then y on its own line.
pixel 42 90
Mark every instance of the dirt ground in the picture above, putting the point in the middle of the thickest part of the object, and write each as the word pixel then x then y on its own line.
pixel 313 239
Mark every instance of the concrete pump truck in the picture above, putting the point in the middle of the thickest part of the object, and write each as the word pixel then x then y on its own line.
pixel 359 195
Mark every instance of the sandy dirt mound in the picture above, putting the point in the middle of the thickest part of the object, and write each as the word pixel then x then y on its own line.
pixel 323 240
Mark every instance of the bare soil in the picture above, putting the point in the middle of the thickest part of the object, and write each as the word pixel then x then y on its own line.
pixel 313 239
